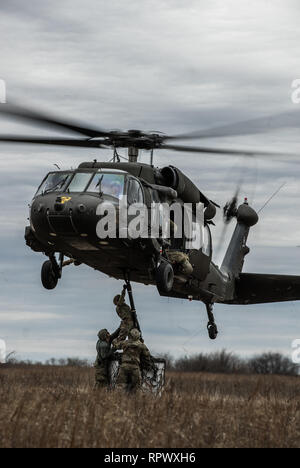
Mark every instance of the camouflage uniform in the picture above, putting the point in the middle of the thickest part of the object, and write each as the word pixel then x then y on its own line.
pixel 134 353
pixel 104 353
pixel 182 261
pixel 127 320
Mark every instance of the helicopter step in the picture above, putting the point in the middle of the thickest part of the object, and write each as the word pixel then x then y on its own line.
pixel 211 326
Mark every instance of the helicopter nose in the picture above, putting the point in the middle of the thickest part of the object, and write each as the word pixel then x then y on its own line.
pixel 70 215
pixel 53 216
pixel 58 207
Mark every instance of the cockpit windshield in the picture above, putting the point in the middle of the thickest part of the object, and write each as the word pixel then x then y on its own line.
pixel 54 182
pixel 108 184
pixel 103 183
pixel 79 182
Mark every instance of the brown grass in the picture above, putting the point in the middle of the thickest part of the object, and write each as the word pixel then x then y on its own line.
pixel 57 407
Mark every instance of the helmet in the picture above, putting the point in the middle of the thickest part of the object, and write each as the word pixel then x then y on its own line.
pixel 135 334
pixel 103 334
pixel 116 185
pixel 116 299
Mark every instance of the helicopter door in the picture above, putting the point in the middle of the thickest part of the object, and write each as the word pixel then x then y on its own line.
pixel 134 192
pixel 177 243
pixel 200 259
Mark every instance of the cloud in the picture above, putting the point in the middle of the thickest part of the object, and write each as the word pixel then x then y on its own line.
pixel 24 316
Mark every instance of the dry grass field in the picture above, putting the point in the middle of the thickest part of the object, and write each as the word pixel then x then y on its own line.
pixel 57 407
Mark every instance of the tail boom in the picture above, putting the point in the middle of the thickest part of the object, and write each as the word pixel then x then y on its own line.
pixel 254 288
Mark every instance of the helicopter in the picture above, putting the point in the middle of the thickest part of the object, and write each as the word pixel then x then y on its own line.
pixel 64 214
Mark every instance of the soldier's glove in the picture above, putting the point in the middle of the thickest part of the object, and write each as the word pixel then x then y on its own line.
pixel 114 344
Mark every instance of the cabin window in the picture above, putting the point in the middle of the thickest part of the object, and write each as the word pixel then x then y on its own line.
pixel 54 182
pixel 79 182
pixel 108 184
pixel 135 193
pixel 206 239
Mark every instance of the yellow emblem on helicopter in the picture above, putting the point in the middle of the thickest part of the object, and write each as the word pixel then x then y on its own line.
pixel 64 200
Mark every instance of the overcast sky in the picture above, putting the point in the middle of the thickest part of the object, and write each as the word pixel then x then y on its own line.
pixel 164 65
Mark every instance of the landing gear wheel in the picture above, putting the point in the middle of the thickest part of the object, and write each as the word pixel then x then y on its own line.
pixel 212 330
pixel 164 277
pixel 48 276
pixel 211 326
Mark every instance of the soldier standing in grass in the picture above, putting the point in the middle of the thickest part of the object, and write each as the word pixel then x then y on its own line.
pixel 127 319
pixel 135 355
pixel 104 355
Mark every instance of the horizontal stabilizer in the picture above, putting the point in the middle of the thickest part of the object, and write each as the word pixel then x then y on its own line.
pixel 254 288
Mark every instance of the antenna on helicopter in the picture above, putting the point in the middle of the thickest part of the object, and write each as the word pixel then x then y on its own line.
pixel 272 196
pixel 116 155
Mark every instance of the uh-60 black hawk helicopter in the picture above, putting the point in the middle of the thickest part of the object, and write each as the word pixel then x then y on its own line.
pixel 63 219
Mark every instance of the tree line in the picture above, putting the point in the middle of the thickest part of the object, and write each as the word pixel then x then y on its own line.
pixel 228 363
pixel 221 362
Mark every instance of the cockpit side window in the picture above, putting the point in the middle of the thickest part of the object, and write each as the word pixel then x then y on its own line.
pixel 135 192
pixel 108 184
pixel 54 182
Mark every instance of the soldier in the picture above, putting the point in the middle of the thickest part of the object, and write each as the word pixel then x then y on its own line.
pixel 181 261
pixel 135 354
pixel 127 320
pixel 104 355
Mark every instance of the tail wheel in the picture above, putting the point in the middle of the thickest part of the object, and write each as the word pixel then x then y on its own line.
pixel 48 276
pixel 164 277
pixel 212 331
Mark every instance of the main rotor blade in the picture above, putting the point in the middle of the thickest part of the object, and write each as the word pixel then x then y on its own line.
pixel 84 143
pixel 230 152
pixel 247 127
pixel 46 120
